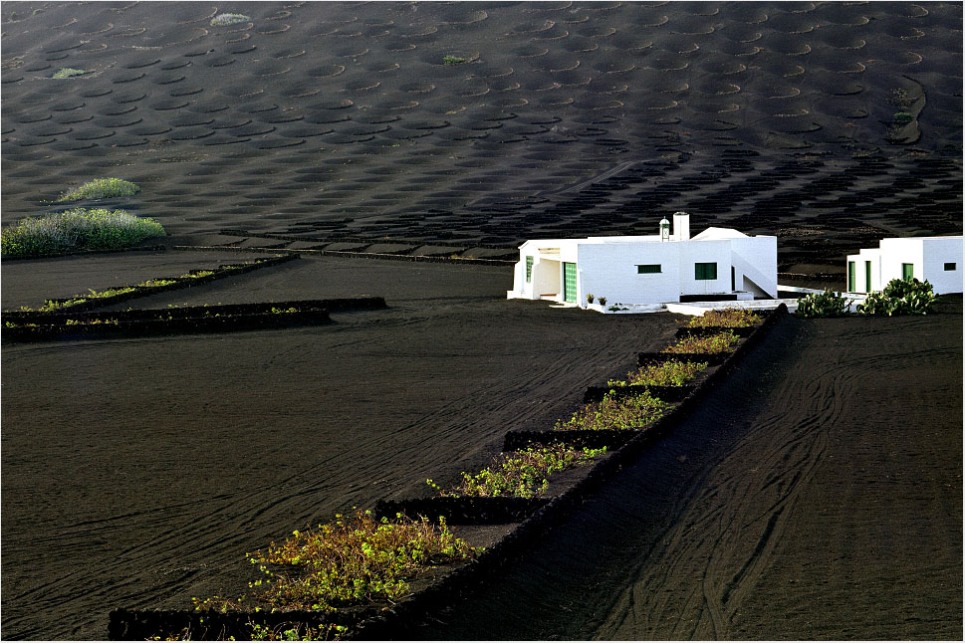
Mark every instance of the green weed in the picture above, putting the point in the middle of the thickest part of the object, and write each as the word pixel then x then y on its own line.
pixel 670 373
pixel 726 317
pixel 632 412
pixel 353 560
pixel 718 343
pixel 101 189
pixel 520 474
pixel 76 229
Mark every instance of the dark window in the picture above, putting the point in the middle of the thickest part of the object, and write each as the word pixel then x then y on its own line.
pixel 705 271
pixel 950 266
pixel 649 269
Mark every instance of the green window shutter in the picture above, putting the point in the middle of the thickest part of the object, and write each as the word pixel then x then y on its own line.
pixel 569 282
pixel 705 271
pixel 867 276
pixel 907 271
pixel 649 269
pixel 529 269
pixel 851 277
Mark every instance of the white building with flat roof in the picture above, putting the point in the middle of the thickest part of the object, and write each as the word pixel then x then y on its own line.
pixel 655 269
pixel 937 260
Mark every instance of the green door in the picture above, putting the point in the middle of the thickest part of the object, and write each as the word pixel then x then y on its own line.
pixel 569 283
pixel 867 276
pixel 907 271
pixel 851 283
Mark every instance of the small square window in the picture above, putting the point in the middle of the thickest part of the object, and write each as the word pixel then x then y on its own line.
pixel 705 271
pixel 649 269
pixel 950 266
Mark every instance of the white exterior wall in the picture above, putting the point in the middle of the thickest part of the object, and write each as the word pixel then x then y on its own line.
pixel 756 261
pixel 607 267
pixel 710 251
pixel 860 275
pixel 937 252
pixel 895 252
pixel 546 274
pixel 610 270
pixel 928 255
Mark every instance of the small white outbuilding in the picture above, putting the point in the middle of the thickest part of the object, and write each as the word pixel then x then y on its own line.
pixel 937 260
pixel 647 270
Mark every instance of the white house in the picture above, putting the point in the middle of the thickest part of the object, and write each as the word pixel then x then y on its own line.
pixel 937 260
pixel 655 269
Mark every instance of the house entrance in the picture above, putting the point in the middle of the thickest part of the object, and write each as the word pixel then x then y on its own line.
pixel 569 282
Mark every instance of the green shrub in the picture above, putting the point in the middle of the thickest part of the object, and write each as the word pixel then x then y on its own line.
pixel 354 560
pixel 76 229
pixel 825 304
pixel 902 118
pixel 101 189
pixel 67 72
pixel 228 19
pixel 520 474
pixel 631 412
pixel 900 297
pixel 726 317
pixel 453 60
pixel 718 343
pixel 669 373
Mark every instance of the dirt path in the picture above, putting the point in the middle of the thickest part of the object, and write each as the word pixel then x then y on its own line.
pixel 817 494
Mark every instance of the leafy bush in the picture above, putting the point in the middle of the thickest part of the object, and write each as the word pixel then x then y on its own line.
pixel 669 373
pixel 631 412
pixel 101 189
pixel 902 118
pixel 68 72
pixel 521 474
pixel 825 304
pixel 726 317
pixel 228 19
pixel 453 60
pixel 354 560
pixel 76 229
pixel 718 343
pixel 900 297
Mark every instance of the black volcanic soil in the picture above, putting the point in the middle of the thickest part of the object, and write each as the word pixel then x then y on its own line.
pixel 819 495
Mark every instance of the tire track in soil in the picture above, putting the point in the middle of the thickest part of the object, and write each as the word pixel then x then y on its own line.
pixel 730 531
pixel 189 539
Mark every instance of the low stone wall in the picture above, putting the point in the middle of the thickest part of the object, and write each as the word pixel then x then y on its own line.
pixel 34 326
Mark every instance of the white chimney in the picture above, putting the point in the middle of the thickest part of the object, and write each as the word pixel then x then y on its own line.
pixel 681 226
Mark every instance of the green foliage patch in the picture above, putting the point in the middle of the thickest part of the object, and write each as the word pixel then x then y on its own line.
pixel 101 189
pixel 74 230
pixel 900 297
pixel 520 474
pixel 631 412
pixel 354 560
pixel 723 342
pixel 67 72
pixel 825 304
pixel 228 19
pixel 726 317
pixel 669 373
